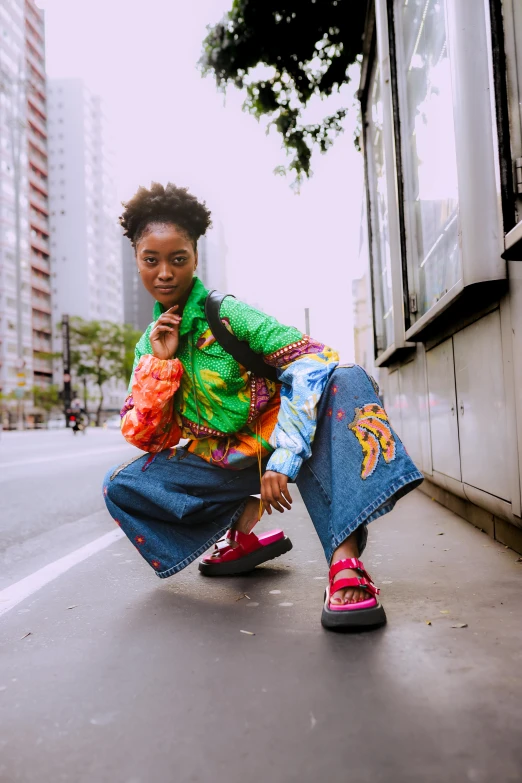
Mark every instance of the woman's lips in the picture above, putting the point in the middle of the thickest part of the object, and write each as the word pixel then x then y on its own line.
pixel 166 289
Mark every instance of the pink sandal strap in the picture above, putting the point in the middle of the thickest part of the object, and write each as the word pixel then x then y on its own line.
pixel 352 563
pixel 246 543
pixel 360 582
pixel 341 565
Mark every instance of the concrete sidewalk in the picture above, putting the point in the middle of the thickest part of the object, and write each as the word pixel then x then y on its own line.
pixel 153 680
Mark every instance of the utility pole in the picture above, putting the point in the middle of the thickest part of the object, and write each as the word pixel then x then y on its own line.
pixel 66 350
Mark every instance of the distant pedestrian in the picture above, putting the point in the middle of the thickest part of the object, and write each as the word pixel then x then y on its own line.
pixel 254 423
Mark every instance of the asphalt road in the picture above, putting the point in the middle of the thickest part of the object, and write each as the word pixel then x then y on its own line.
pixel 50 491
pixel 110 675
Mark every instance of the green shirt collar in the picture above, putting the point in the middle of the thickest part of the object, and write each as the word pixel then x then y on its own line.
pixel 194 309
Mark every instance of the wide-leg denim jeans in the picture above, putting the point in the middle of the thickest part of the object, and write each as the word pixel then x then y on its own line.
pixel 175 506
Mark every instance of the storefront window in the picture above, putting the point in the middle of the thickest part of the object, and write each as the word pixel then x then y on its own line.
pixel 380 245
pixel 428 142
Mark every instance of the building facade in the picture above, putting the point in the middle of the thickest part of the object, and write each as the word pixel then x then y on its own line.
pixel 212 258
pixel 25 275
pixel 440 93
pixel 137 302
pixel 38 195
pixel 85 237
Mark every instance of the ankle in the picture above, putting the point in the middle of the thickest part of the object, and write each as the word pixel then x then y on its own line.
pixel 347 550
pixel 249 518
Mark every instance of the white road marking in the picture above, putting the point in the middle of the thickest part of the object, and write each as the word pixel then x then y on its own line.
pixel 62 455
pixel 19 591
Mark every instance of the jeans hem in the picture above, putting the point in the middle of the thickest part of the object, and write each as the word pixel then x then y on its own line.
pixel 380 506
pixel 190 559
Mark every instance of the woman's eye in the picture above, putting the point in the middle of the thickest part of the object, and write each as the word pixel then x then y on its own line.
pixel 149 260
pixel 180 260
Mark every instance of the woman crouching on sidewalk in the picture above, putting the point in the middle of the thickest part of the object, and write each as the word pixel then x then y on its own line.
pixel 317 424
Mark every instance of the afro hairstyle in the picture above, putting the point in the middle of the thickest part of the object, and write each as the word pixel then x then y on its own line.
pixel 168 204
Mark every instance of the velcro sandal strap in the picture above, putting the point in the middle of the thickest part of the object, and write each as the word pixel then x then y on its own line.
pixel 342 584
pixel 354 581
pixel 248 542
pixel 341 565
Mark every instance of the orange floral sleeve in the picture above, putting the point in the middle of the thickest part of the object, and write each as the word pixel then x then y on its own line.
pixel 148 420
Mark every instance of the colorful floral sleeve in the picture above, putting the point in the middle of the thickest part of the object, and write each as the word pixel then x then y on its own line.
pixel 304 370
pixel 148 420
pixel 304 367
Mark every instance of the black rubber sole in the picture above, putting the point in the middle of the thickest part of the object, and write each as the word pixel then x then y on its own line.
pixel 353 619
pixel 248 562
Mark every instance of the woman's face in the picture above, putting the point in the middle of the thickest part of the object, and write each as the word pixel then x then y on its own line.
pixel 166 262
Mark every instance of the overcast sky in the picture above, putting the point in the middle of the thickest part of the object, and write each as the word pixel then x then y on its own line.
pixel 285 252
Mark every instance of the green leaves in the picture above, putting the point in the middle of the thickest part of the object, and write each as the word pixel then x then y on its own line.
pixel 306 46
pixel 101 350
pixel 46 397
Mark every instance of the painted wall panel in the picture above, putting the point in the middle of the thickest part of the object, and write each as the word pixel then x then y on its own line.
pixel 410 410
pixel 481 406
pixel 443 410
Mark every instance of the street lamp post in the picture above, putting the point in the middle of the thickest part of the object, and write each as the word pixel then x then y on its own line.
pixel 66 352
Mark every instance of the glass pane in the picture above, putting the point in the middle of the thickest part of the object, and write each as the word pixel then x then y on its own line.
pixel 428 140
pixel 380 249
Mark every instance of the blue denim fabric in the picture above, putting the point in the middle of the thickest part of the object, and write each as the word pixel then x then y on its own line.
pixel 174 506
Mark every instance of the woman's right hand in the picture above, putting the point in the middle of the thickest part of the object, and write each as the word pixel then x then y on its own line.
pixel 164 338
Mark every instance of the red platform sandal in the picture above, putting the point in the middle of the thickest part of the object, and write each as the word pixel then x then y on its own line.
pixel 250 552
pixel 363 614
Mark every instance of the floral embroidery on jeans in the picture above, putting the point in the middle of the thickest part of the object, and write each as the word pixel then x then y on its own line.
pixel 371 428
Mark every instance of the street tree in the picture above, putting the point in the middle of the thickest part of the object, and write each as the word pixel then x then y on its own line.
pixel 47 398
pixel 284 53
pixel 101 350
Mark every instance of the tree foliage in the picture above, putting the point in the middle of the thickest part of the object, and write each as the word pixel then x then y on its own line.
pixel 307 46
pixel 47 398
pixel 101 350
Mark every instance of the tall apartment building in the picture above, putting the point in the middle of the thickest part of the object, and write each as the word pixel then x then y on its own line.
pixel 137 302
pixel 25 295
pixel 212 252
pixel 85 236
pixel 38 194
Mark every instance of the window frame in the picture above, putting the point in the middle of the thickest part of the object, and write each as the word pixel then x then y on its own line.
pixel 480 218
pixel 377 54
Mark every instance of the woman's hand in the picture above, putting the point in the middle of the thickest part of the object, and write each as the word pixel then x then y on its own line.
pixel 164 338
pixel 274 492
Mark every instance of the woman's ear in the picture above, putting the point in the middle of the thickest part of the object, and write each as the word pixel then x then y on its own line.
pixel 195 260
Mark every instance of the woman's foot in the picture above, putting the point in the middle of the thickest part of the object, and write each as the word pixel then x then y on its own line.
pixel 245 524
pixel 350 595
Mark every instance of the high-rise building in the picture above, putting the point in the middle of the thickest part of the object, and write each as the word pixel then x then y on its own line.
pixel 25 292
pixel 38 194
pixel 85 236
pixel 137 302
pixel 212 251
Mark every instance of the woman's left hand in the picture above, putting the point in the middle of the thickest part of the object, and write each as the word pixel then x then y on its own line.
pixel 274 492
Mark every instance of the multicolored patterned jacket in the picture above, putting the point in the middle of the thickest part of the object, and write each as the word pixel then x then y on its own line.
pixel 230 417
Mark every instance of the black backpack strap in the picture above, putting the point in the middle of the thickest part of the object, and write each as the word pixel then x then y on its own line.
pixel 238 349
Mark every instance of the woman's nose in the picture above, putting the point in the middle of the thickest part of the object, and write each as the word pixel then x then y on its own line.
pixel 165 272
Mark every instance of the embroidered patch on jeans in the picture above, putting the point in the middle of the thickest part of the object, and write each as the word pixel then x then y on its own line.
pixel 371 428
